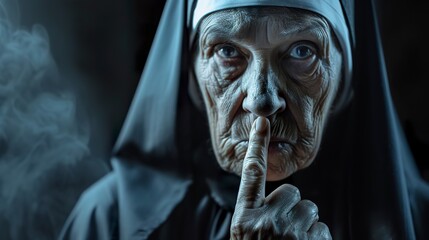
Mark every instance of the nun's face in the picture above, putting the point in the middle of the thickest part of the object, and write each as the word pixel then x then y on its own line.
pixel 278 63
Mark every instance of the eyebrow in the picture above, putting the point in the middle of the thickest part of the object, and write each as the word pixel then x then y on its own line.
pixel 223 30
pixel 299 29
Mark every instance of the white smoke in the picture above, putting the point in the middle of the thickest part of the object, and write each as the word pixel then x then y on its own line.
pixel 44 153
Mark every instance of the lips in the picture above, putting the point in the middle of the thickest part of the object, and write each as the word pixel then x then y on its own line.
pixel 278 140
pixel 273 140
pixel 277 145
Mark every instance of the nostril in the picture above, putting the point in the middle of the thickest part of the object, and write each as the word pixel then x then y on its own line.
pixel 281 105
pixel 264 105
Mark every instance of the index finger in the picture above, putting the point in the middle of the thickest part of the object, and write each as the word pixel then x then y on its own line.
pixel 251 193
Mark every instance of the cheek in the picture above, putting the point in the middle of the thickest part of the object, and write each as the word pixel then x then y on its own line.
pixel 310 93
pixel 221 96
pixel 329 80
pixel 223 100
pixel 309 97
pixel 306 78
pixel 206 74
pixel 210 80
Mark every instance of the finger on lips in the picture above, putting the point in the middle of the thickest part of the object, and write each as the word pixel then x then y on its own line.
pixel 251 193
pixel 295 217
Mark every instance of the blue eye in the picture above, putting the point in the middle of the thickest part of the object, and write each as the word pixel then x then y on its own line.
pixel 302 51
pixel 227 51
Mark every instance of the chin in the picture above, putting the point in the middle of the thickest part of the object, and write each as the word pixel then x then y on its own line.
pixel 279 163
pixel 279 169
pixel 276 176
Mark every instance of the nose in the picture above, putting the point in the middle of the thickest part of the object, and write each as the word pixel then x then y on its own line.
pixel 263 98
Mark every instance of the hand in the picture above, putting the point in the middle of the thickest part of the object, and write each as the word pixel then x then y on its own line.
pixel 282 214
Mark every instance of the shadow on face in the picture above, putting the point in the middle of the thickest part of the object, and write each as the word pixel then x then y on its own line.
pixel 279 63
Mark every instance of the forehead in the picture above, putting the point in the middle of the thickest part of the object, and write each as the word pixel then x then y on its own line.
pixel 243 23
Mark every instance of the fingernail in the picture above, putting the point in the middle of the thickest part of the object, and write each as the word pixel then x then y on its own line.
pixel 261 124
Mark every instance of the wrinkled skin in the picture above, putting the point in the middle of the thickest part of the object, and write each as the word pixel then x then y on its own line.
pixel 278 69
pixel 282 214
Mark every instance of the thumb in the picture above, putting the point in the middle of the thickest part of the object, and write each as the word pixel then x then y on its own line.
pixel 251 193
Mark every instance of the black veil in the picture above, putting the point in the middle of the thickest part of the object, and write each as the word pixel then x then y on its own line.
pixel 392 199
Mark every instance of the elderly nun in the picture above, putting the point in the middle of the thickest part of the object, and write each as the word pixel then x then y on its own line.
pixel 260 119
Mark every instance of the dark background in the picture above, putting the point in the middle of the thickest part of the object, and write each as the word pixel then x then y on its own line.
pixel 403 29
pixel 100 48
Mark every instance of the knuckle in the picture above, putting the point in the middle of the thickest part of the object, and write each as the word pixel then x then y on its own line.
pixel 309 206
pixel 239 225
pixel 291 235
pixel 266 228
pixel 255 151
pixel 255 167
pixel 257 145
pixel 237 231
pixel 305 212
pixel 292 191
pixel 286 194
pixel 320 230
pixel 323 227
pixel 256 226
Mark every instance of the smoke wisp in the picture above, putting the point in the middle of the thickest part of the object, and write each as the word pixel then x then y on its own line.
pixel 44 155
